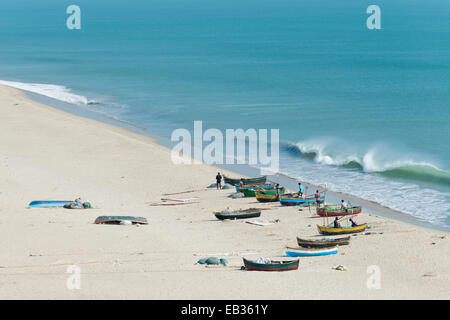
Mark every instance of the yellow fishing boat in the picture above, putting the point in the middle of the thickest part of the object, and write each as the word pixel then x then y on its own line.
pixel 263 196
pixel 344 230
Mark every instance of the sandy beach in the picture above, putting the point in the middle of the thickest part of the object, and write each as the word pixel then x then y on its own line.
pixel 48 154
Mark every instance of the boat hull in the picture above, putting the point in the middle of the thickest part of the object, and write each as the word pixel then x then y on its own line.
pixel 252 192
pixel 235 182
pixel 345 230
pixel 302 252
pixel 281 266
pixel 48 204
pixel 335 211
pixel 295 201
pixel 323 243
pixel 264 197
pixel 118 219
pixel 222 215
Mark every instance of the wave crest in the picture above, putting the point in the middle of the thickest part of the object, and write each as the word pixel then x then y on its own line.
pixel 57 92
pixel 399 169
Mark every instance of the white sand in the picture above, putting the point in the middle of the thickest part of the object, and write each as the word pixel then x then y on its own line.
pixel 48 154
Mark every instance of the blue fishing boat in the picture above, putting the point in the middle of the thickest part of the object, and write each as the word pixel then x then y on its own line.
pixel 48 203
pixel 293 199
pixel 310 252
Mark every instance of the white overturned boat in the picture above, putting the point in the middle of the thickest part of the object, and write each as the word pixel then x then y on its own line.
pixel 310 252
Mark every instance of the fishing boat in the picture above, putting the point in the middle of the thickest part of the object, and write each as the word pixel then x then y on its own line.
pixel 272 266
pixel 120 219
pixel 251 181
pixel 252 191
pixel 336 211
pixel 323 243
pixel 238 214
pixel 263 196
pixel 329 230
pixel 261 187
pixel 310 252
pixel 48 204
pixel 294 199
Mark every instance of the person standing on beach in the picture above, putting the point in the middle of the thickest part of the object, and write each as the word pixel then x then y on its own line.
pixel 317 196
pixel 219 181
pixel 301 190
pixel 277 187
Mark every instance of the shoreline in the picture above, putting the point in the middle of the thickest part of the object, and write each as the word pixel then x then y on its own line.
pixel 246 171
pixel 49 154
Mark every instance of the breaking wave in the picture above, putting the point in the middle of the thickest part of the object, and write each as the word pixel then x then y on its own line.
pixel 57 92
pixel 370 163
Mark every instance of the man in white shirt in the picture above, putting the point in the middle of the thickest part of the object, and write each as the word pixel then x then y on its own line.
pixel 344 205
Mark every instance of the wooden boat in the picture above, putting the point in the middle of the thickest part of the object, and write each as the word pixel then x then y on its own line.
pixel 261 187
pixel 48 204
pixel 251 181
pixel 272 266
pixel 119 219
pixel 323 243
pixel 344 230
pixel 252 192
pixel 238 214
pixel 336 211
pixel 263 196
pixel 294 199
pixel 310 252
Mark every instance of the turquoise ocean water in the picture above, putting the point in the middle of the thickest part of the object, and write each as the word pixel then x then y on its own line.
pixel 365 111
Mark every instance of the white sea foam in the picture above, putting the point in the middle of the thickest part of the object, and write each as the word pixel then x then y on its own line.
pixel 57 92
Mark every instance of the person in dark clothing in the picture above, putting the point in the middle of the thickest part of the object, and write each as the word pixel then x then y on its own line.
pixel 219 181
pixel 277 187
pixel 354 223
pixel 336 223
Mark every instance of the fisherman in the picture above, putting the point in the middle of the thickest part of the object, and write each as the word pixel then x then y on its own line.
pixel 336 223
pixel 354 223
pixel 241 182
pixel 219 181
pixel 317 196
pixel 344 205
pixel 301 190
pixel 277 187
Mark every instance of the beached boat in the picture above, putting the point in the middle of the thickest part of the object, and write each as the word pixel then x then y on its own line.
pixel 120 219
pixel 336 211
pixel 252 191
pixel 238 214
pixel 48 204
pixel 251 181
pixel 263 196
pixel 344 230
pixel 261 187
pixel 304 252
pixel 272 266
pixel 323 243
pixel 294 199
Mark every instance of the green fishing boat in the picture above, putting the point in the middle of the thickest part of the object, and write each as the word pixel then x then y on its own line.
pixel 252 192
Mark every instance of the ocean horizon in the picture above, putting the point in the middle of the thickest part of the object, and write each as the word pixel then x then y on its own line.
pixel 364 111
